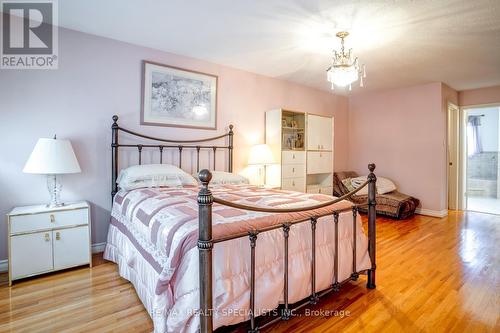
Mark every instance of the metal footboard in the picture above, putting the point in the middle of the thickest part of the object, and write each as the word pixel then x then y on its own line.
pixel 206 243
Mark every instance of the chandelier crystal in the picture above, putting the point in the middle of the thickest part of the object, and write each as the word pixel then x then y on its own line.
pixel 345 68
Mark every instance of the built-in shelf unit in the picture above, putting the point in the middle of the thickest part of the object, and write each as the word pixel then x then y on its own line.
pixel 302 145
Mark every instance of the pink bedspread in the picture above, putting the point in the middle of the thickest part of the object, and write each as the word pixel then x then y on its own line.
pixel 162 226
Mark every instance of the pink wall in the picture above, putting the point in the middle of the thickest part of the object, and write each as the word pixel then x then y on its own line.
pixel 404 132
pixel 490 95
pixel 99 77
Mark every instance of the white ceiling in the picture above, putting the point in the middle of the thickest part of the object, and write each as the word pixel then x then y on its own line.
pixel 402 42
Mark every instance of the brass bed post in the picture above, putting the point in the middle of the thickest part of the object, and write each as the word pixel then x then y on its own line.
pixel 114 156
pixel 205 244
pixel 372 217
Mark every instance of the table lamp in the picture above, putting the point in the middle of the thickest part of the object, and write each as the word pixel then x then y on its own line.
pixel 52 157
pixel 261 155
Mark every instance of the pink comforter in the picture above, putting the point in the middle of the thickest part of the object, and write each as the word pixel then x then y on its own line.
pixel 162 225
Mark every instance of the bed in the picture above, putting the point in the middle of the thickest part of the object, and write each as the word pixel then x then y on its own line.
pixel 204 257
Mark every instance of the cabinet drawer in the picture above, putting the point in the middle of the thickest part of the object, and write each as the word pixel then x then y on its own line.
pixel 34 222
pixel 313 189
pixel 293 170
pixel 71 247
pixel 30 254
pixel 328 190
pixel 293 157
pixel 319 162
pixel 293 184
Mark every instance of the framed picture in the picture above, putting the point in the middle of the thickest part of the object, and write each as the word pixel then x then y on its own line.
pixel 288 141
pixel 178 97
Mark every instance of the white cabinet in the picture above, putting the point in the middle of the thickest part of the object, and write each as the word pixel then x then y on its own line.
pixel 319 132
pixel 71 247
pixel 31 254
pixel 285 136
pixel 302 145
pixel 45 239
pixel 319 162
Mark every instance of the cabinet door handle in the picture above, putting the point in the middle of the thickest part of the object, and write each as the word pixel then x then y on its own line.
pixel 293 170
pixel 58 236
pixel 47 237
pixel 320 155
pixel 293 183
pixel 293 156
pixel 52 218
pixel 319 146
pixel 320 190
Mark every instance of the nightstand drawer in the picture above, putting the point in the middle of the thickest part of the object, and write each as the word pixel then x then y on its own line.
pixel 43 221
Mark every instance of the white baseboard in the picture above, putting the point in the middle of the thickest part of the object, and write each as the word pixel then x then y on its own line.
pixel 430 212
pixel 96 248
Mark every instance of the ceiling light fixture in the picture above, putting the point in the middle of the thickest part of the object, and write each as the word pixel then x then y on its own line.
pixel 345 68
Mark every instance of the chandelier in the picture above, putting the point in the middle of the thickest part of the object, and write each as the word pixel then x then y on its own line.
pixel 345 67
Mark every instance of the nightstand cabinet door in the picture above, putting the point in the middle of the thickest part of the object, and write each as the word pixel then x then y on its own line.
pixel 71 247
pixel 31 254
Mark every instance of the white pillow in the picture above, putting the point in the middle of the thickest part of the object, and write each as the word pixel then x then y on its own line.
pixel 221 177
pixel 384 185
pixel 153 175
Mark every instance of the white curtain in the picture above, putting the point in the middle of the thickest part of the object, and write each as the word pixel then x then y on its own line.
pixel 474 145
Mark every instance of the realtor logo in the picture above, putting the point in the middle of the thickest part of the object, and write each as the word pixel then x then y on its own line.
pixel 29 35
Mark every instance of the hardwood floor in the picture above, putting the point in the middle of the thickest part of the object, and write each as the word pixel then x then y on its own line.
pixel 434 275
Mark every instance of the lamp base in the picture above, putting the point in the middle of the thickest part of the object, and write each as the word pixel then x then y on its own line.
pixel 54 187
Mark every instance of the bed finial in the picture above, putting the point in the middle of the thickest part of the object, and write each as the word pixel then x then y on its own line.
pixel 115 119
pixel 231 128
pixel 205 177
pixel 371 167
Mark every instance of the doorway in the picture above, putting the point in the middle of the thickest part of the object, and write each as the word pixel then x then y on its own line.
pixel 481 149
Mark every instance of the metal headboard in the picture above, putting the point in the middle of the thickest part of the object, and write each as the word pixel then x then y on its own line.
pixel 180 145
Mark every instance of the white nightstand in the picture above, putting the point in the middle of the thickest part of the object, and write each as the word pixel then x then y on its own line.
pixel 43 239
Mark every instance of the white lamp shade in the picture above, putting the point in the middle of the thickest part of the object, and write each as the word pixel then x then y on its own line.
pixel 52 157
pixel 260 155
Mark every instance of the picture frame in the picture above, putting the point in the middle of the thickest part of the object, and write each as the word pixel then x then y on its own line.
pixel 178 97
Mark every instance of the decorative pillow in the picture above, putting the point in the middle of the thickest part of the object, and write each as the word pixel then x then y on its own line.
pixel 384 185
pixel 347 184
pixel 153 175
pixel 221 177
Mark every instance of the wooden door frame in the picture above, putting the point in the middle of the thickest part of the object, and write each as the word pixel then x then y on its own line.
pixel 453 187
pixel 463 150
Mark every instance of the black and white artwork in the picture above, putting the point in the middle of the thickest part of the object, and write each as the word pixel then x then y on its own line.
pixel 178 97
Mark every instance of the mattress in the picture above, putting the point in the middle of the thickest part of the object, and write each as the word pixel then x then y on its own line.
pixel 153 233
